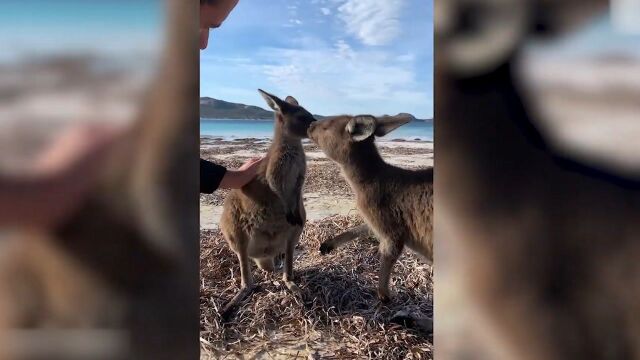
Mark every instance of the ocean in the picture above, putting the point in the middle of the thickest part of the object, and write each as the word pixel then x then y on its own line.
pixel 263 129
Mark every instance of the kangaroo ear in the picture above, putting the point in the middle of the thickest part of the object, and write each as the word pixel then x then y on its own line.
pixel 361 127
pixel 273 101
pixel 489 39
pixel 291 100
pixel 387 124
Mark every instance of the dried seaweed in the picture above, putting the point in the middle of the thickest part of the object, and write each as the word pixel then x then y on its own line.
pixel 338 317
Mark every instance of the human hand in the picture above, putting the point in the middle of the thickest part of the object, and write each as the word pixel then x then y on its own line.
pixel 235 179
pixel 251 165
pixel 60 179
pixel 80 145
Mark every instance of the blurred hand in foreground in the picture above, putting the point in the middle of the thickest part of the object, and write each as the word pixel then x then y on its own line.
pixel 59 179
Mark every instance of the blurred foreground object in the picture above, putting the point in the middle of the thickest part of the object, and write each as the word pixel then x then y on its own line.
pixel 538 208
pixel 119 279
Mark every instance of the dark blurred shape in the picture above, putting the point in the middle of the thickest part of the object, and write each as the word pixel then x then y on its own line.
pixel 538 209
pixel 118 278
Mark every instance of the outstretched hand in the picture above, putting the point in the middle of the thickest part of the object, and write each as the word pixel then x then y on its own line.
pixel 251 166
pixel 81 148
pixel 60 178
pixel 235 179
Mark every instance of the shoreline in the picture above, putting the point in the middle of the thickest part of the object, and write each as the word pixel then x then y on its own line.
pixel 220 140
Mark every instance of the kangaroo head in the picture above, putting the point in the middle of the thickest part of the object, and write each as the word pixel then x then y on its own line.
pixel 291 118
pixel 477 36
pixel 341 136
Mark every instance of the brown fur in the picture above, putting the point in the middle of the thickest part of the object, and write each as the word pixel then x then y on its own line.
pixel 397 204
pixel 128 260
pixel 264 219
pixel 550 243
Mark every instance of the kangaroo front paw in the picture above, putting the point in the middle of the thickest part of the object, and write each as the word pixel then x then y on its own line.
pixel 267 265
pixel 326 248
pixel 294 219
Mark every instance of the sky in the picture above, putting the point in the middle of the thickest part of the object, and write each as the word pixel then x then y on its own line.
pixel 334 56
pixel 604 35
pixel 44 27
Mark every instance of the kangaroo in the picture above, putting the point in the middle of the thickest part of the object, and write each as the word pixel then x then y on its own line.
pixel 396 203
pixel 123 271
pixel 265 218
pixel 548 243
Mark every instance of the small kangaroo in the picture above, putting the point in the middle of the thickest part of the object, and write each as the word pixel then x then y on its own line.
pixel 265 218
pixel 396 203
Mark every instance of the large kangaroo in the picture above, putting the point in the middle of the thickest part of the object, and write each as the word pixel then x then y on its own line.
pixel 396 203
pixel 265 218
pixel 550 243
pixel 124 269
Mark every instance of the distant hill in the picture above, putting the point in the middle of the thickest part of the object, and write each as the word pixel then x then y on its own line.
pixel 211 108
pixel 218 109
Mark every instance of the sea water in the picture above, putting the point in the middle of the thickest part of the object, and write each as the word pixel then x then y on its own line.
pixel 263 129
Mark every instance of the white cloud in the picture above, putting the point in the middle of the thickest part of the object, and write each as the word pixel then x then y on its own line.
pixel 339 79
pixel 325 11
pixel 344 50
pixel 374 22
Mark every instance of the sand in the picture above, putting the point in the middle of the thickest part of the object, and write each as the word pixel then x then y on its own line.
pixel 326 193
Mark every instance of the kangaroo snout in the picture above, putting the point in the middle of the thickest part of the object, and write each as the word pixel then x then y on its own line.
pixel 309 125
pixel 312 126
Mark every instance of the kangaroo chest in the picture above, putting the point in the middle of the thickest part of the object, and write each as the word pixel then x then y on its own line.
pixel 287 161
pixel 284 176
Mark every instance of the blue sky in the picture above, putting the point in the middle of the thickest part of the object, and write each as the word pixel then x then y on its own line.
pixel 334 56
pixel 46 27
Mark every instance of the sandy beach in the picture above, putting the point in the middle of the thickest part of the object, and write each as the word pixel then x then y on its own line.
pixel 326 192
pixel 338 316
